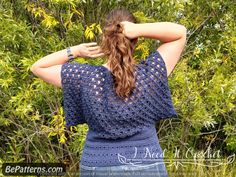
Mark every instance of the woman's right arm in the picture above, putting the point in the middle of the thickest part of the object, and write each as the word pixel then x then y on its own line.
pixel 171 35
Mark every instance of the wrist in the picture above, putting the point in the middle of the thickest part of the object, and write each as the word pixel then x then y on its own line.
pixel 75 51
pixel 139 29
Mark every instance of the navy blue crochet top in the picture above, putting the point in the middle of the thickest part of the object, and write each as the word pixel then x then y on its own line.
pixel 120 131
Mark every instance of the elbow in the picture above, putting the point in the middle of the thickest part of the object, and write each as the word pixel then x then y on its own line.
pixel 184 31
pixel 183 35
pixel 181 32
pixel 33 68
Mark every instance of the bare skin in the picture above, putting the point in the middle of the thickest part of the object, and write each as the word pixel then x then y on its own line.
pixel 171 35
pixel 48 68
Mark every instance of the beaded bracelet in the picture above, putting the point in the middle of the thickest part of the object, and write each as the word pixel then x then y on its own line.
pixel 69 54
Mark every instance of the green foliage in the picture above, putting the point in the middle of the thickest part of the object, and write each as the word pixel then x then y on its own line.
pixel 203 84
pixel 92 30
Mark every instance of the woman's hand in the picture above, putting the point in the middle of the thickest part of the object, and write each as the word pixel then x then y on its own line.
pixel 87 50
pixel 129 29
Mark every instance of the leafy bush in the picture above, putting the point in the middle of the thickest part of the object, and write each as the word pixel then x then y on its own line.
pixel 203 84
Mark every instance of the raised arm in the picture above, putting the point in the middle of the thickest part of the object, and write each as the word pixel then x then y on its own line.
pixel 48 68
pixel 171 35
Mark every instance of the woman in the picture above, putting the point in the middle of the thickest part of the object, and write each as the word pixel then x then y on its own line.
pixel 120 101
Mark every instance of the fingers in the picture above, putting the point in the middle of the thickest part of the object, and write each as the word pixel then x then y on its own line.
pixel 90 44
pixel 95 52
pixel 94 48
pixel 97 55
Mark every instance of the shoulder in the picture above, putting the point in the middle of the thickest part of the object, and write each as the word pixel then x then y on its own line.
pixel 155 64
pixel 74 67
pixel 72 73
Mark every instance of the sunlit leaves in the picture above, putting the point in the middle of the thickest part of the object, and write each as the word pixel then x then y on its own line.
pixel 57 127
pixel 141 17
pixel 47 19
pixel 144 48
pixel 92 30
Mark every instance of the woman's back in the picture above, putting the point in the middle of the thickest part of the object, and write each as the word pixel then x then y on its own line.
pixel 89 93
pixel 120 105
pixel 89 97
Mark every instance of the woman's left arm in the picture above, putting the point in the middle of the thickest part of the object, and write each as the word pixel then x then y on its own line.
pixel 48 68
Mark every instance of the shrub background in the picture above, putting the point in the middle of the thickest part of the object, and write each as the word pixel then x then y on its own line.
pixel 203 84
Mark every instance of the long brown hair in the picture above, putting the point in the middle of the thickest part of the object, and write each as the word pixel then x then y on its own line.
pixel 119 51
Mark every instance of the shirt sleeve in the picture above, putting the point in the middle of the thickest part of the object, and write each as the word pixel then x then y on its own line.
pixel 71 86
pixel 156 70
pixel 155 66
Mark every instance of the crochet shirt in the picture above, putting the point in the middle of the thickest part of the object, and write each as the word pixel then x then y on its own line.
pixel 120 131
